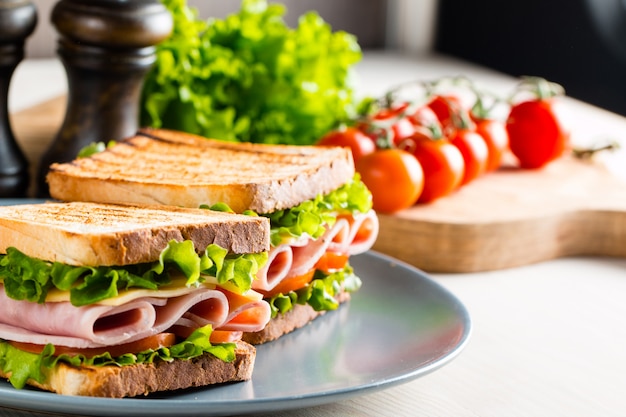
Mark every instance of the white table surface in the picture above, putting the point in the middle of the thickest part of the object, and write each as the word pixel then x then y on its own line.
pixel 548 339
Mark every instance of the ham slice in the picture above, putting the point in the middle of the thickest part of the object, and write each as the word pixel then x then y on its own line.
pixel 61 323
pixel 350 234
pixel 364 229
pixel 277 267
pixel 246 314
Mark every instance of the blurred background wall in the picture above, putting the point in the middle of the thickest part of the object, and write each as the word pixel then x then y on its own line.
pixel 377 23
pixel 580 44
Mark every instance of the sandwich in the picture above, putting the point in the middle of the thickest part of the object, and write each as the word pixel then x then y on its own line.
pixel 320 212
pixel 125 300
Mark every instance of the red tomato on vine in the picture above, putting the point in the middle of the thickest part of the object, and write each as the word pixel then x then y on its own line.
pixel 537 134
pixel 497 140
pixel 475 153
pixel 425 117
pixel 394 177
pixel 388 126
pixel 359 143
pixel 442 163
pixel 448 109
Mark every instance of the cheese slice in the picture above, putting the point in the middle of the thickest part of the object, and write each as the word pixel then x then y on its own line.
pixel 177 287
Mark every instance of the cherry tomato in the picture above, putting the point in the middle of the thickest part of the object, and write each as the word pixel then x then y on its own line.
pixel 401 129
pixel 474 151
pixel 442 163
pixel 536 132
pixel 448 109
pixel 497 139
pixel 425 118
pixel 359 143
pixel 394 177
pixel 389 125
pixel 396 110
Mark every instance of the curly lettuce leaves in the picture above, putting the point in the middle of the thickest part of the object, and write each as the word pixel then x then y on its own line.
pixel 94 148
pixel 320 293
pixel 22 366
pixel 251 78
pixel 31 279
pixel 311 217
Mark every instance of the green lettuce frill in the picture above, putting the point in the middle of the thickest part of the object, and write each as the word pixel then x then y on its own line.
pixel 30 279
pixel 22 366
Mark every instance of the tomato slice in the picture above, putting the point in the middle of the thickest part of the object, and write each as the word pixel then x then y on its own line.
pixel 151 342
pixel 332 261
pixel 364 232
pixel 225 336
pixel 290 284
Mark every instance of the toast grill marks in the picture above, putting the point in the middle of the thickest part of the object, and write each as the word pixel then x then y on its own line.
pixel 96 234
pixel 97 218
pixel 174 168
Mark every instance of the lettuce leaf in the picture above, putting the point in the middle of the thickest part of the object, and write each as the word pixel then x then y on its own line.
pixel 311 217
pixel 30 279
pixel 319 293
pixel 250 77
pixel 94 148
pixel 22 366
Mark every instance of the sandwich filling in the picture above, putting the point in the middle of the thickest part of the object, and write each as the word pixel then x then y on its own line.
pixel 310 248
pixel 179 307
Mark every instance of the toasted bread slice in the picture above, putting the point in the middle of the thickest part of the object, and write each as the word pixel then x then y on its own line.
pixel 180 169
pixel 143 379
pixel 101 234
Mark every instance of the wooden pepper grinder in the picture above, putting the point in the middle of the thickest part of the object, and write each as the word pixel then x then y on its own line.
pixel 18 19
pixel 106 47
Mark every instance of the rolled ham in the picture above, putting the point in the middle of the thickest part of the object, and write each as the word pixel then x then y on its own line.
pixel 350 235
pixel 61 323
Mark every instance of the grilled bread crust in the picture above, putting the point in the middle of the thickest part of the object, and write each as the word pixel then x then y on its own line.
pixel 94 234
pixel 143 379
pixel 167 167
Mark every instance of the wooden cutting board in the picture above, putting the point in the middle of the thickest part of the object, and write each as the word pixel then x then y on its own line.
pixel 504 219
pixel 35 128
pixel 514 217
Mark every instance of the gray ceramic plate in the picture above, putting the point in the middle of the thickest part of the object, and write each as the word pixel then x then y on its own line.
pixel 401 325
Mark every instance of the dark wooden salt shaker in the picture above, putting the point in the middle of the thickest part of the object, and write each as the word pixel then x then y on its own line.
pixel 18 19
pixel 106 47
